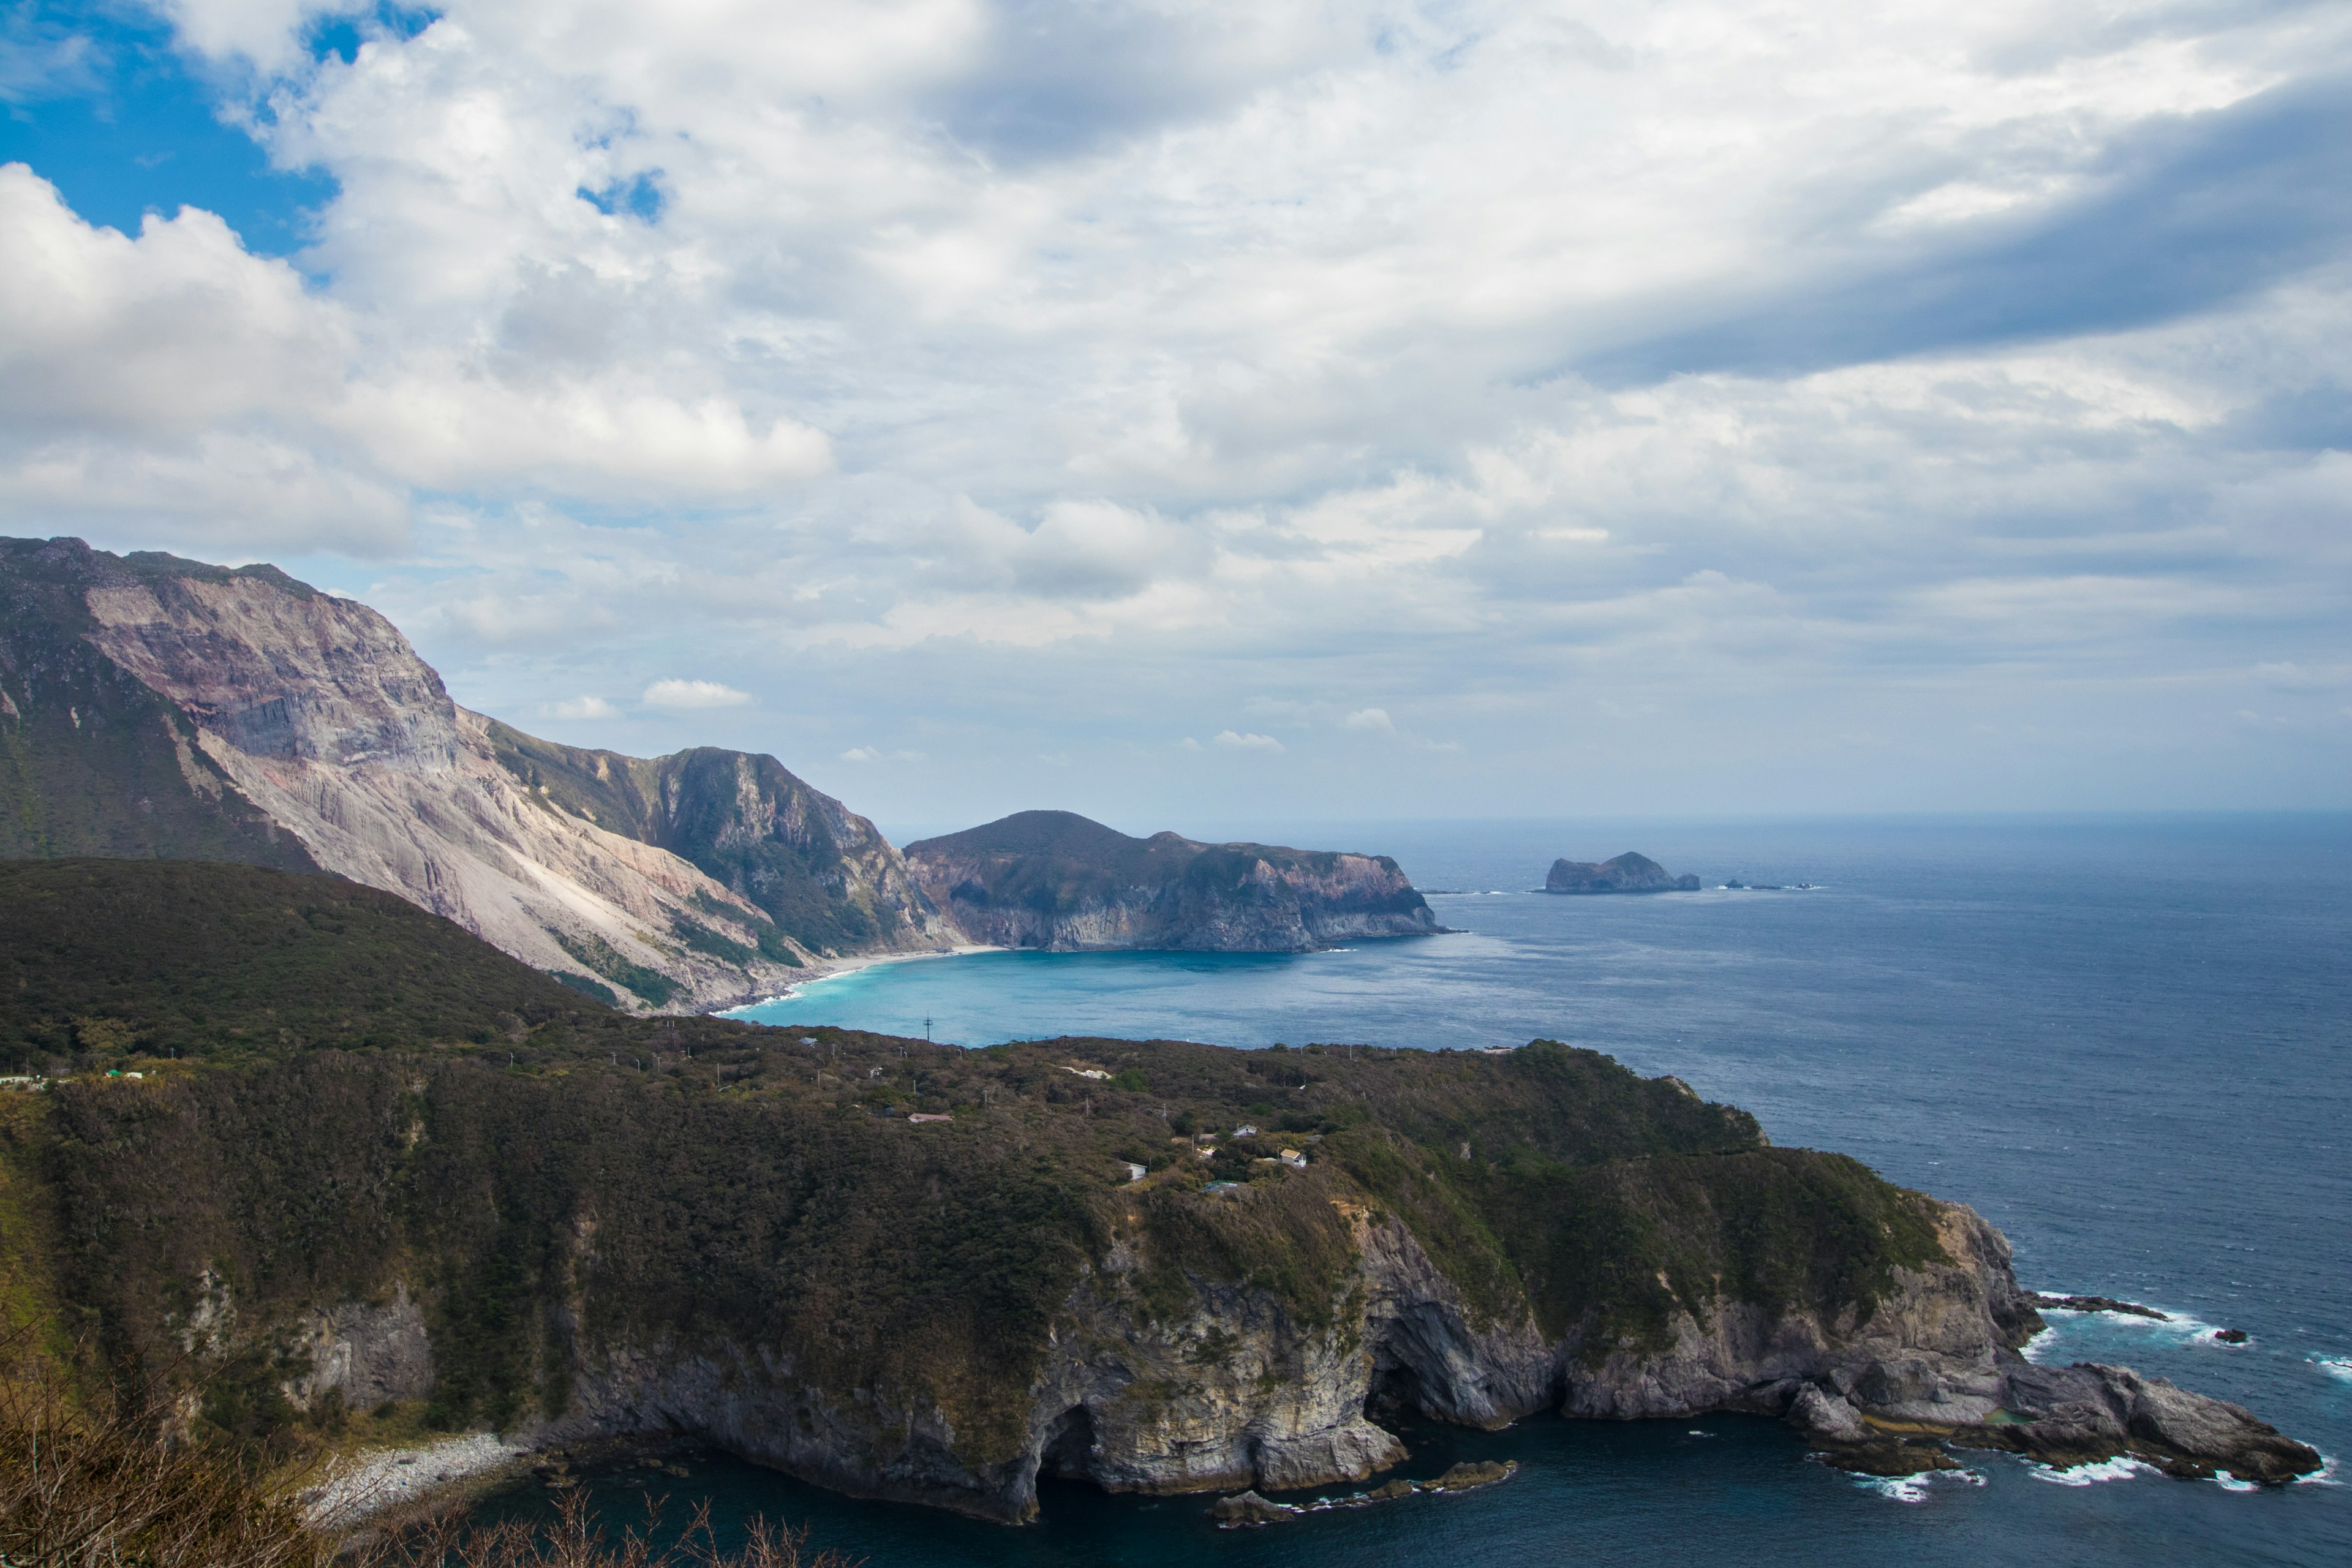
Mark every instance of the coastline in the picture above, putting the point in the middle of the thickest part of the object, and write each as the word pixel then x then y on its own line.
pixel 377 1480
pixel 840 967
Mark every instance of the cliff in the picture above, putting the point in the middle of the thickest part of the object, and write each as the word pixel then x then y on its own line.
pixel 151 706
pixel 560 1221
pixel 1054 879
pixel 1628 873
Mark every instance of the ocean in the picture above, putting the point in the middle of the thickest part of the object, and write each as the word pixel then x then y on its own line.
pixel 2126 1042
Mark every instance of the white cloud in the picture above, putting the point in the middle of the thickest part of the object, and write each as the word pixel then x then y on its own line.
pixel 875 754
pixel 579 708
pixel 1245 742
pixel 694 694
pixel 1475 365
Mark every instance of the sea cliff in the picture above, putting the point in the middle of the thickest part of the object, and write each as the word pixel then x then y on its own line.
pixel 1054 879
pixel 376 1160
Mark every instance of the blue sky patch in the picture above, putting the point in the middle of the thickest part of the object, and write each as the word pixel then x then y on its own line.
pixel 102 106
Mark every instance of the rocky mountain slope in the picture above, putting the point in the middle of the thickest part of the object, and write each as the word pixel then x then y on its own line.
pixel 1628 873
pixel 155 706
pixel 1056 880
pixel 494 1204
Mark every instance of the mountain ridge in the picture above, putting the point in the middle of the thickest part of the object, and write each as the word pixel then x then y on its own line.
pixel 243 715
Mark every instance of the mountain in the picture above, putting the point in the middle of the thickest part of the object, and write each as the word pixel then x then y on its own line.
pixel 388 1181
pixel 1055 880
pixel 1628 873
pixel 153 706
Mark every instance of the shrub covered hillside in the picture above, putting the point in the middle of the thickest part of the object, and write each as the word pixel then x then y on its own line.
pixel 356 1092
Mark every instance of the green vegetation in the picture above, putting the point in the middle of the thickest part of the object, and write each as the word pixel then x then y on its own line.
pixel 358 1093
pixel 594 953
pixel 102 960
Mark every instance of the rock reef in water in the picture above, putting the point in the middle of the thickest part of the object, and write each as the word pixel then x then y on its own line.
pixel 2062 1417
pixel 1628 873
pixel 1056 880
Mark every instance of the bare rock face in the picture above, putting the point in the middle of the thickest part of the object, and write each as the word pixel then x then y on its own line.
pixel 312 717
pixel 2088 1412
pixel 367 1353
pixel 1056 880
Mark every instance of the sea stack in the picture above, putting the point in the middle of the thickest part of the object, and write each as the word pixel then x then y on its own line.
pixel 1628 873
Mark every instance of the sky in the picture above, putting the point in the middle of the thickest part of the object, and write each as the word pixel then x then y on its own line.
pixel 1191 413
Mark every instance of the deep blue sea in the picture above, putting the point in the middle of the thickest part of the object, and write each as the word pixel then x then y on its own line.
pixel 2128 1043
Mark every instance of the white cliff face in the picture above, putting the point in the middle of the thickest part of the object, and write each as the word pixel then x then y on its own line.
pixel 321 714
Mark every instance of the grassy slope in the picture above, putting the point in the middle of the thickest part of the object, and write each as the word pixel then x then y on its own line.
pixel 369 1093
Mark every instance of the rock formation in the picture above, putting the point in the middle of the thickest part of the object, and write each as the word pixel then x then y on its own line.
pixel 161 706
pixel 1054 879
pixel 1628 873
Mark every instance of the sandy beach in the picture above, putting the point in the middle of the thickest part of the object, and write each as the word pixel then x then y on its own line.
pixel 835 969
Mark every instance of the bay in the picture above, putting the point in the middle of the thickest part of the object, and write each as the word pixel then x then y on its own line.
pixel 2128 1042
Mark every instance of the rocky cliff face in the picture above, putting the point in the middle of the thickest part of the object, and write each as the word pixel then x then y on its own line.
pixel 1628 873
pixel 241 715
pixel 1056 880
pixel 1242 1389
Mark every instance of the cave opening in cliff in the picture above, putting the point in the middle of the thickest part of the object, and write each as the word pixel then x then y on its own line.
pixel 1069 1448
pixel 1395 1392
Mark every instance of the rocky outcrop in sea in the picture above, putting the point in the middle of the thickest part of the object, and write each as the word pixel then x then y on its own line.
pixel 1628 873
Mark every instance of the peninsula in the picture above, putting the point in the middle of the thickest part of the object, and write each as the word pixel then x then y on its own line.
pixel 1056 880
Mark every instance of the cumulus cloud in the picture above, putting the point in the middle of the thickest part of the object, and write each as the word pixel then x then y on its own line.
pixel 579 708
pixel 694 694
pixel 1497 362
pixel 876 754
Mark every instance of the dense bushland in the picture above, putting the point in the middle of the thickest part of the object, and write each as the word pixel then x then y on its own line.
pixel 360 1093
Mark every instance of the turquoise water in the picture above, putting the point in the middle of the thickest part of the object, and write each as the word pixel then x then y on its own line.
pixel 2129 1044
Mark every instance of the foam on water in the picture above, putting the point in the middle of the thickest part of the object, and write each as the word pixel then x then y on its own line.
pixel 1914 1489
pixel 2334 1367
pixel 2091 1475
pixel 2073 1333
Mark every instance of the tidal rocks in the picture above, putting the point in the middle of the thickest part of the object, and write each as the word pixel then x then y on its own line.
pixel 2096 1304
pixel 1246 1510
pixel 1628 873
pixel 1468 1477
pixel 2088 1412
pixel 2230 1336
pixel 1056 880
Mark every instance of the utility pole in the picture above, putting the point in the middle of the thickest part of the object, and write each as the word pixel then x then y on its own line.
pixel 927 1026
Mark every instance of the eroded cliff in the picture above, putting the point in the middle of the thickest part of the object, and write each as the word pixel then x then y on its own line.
pixel 248 716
